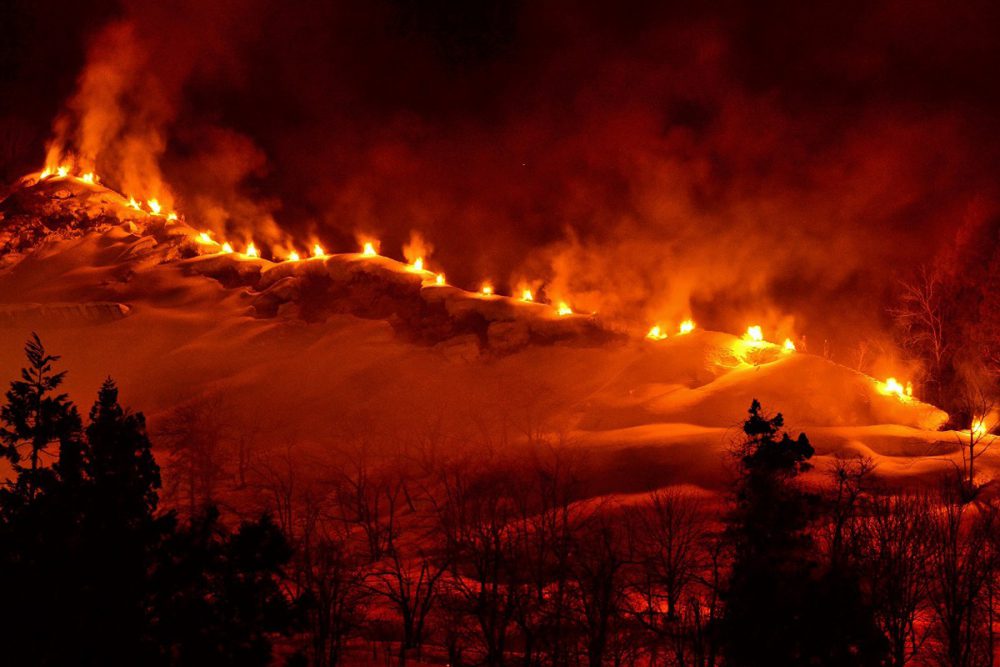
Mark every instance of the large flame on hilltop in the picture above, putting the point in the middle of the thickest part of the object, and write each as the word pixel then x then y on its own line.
pixel 486 289
pixel 788 346
pixel 227 248
pixel 754 334
pixel 293 256
pixel 687 326
pixel 564 309
pixel 154 206
pixel 526 295
pixel 439 279
pixel 252 251
pixel 418 264
pixel 369 249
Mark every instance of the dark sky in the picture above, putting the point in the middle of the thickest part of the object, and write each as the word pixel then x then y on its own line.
pixel 756 159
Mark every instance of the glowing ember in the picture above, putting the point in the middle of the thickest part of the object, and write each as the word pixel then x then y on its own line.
pixel 226 248
pixel 754 334
pixel 788 346
pixel 369 249
pixel 171 216
pixel 526 295
pixel 978 427
pixel 89 178
pixel 486 289
pixel 418 264
pixel 318 250
pixel 656 333
pixel 687 326
pixel 439 279
pixel 154 206
pixel 132 203
pixel 563 309
pixel 62 171
pixel 205 238
pixel 251 251
pixel 293 256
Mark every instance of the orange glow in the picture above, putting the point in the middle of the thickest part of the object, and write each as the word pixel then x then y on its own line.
pixel 171 216
pixel 439 279
pixel 45 174
pixel 687 326
pixel 656 333
pixel 293 256
pixel 418 264
pixel 62 171
pixel 563 309
pixel 226 248
pixel 318 250
pixel 205 238
pixel 978 428
pixel 89 178
pixel 486 289
pixel 526 295
pixel 788 346
pixel 134 204
pixel 154 206
pixel 754 334
pixel 369 249
pixel 892 387
pixel 252 251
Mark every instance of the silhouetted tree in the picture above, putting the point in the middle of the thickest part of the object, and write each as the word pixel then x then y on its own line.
pixel 781 609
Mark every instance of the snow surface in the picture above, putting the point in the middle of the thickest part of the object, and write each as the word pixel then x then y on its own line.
pixel 362 349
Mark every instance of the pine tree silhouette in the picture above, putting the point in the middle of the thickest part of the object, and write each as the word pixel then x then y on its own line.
pixel 782 609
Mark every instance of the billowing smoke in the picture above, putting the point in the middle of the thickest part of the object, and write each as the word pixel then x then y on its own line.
pixel 777 164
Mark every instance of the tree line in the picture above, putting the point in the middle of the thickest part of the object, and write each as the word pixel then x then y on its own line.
pixel 486 559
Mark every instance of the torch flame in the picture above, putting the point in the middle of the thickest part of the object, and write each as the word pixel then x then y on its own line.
pixel 369 249
pixel 293 256
pixel 687 326
pixel 252 251
pixel 656 333
pixel 789 346
pixel 486 289
pixel 564 309
pixel 318 250
pixel 754 334
pixel 439 279
pixel 526 295
pixel 226 248
pixel 892 387
pixel 154 206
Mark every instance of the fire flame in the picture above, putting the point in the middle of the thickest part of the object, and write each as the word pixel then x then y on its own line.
pixel 486 289
pixel 89 178
pixel 45 174
pixel 172 216
pixel 754 334
pixel 369 249
pixel 154 206
pixel 892 387
pixel 788 346
pixel 318 250
pixel 252 251
pixel 134 204
pixel 439 279
pixel 979 428
pixel 687 326
pixel 564 309
pixel 205 238
pixel 655 333
pixel 62 171
pixel 418 264
pixel 526 295
pixel 226 248
pixel 293 256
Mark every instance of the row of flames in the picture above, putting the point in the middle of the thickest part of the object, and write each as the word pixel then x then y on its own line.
pixel 754 335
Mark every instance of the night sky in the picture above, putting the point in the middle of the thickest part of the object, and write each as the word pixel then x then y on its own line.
pixel 720 159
